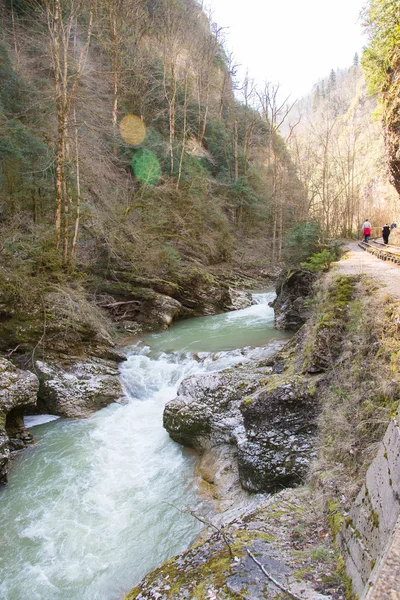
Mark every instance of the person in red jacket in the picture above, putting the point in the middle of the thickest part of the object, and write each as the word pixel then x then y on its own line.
pixel 366 229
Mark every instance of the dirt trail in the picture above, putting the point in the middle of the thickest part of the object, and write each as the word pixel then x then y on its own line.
pixel 358 262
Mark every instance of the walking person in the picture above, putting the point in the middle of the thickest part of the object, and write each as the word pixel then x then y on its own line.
pixel 385 233
pixel 366 230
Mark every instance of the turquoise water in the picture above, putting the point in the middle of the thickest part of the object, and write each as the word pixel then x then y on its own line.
pixel 97 503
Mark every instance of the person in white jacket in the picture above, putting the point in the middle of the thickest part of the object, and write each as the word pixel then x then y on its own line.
pixel 366 230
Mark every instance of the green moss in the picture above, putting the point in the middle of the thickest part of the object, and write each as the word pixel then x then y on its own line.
pixel 335 517
pixel 300 573
pixel 134 593
pixel 394 409
pixel 248 401
pixel 341 572
pixel 312 389
pixel 374 519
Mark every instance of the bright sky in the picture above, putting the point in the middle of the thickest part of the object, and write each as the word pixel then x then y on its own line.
pixel 291 42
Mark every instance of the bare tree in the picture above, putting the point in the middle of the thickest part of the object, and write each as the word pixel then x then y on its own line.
pixel 68 67
pixel 274 111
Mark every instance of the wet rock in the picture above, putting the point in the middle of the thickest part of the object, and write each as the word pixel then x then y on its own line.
pixel 240 299
pixel 18 390
pixel 77 388
pixel 280 424
pixel 269 418
pixel 292 290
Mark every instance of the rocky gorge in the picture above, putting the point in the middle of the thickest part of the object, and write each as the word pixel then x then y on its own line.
pixel 296 420
pixel 63 343
pixel 291 418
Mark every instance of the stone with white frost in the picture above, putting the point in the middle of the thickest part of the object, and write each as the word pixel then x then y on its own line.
pixel 18 390
pixel 78 388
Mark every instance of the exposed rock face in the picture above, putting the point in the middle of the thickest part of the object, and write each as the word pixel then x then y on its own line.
pixel 391 124
pixel 268 417
pixel 280 425
pixel 157 308
pixel 18 390
pixel 78 388
pixel 160 311
pixel 292 291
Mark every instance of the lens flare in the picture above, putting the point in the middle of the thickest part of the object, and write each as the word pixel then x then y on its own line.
pixel 132 130
pixel 146 167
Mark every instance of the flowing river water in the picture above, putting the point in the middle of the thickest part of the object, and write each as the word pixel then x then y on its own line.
pixel 94 504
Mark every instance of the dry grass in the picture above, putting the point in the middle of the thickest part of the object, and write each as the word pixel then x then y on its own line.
pixel 361 389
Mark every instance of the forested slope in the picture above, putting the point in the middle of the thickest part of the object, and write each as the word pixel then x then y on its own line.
pixel 88 204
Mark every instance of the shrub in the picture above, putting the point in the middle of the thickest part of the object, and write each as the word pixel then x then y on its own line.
pixel 301 241
pixel 321 261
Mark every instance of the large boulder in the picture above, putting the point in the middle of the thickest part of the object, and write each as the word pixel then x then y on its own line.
pixel 267 416
pixel 18 391
pixel 292 289
pixel 280 425
pixel 160 311
pixel 77 388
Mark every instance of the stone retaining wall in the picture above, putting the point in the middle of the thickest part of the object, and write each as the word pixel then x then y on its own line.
pixel 367 538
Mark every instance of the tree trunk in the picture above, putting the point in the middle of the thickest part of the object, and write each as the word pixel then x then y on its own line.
pixel 184 131
pixel 78 190
pixel 235 150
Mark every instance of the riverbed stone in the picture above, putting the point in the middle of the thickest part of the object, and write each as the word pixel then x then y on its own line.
pixel 269 418
pixel 77 388
pixel 18 391
pixel 240 299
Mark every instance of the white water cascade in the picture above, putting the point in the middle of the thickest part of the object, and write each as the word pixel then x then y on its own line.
pixel 94 505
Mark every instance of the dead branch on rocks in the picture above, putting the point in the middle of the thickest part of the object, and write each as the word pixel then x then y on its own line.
pixel 274 581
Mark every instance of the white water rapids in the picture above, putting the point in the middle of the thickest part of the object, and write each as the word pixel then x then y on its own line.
pixel 94 504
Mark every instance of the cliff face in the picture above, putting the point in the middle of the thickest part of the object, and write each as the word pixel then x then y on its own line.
pixel 381 63
pixel 391 122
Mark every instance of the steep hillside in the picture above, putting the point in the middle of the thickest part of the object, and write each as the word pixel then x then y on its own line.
pixel 128 169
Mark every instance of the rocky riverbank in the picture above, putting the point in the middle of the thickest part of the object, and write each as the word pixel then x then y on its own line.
pixel 302 418
pixel 63 335
pixel 18 392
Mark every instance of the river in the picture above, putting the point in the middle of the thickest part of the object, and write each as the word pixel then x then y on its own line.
pixel 94 504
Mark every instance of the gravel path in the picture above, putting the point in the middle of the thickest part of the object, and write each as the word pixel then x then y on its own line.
pixel 358 262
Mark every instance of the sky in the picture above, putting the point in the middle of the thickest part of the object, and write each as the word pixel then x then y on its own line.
pixel 291 42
